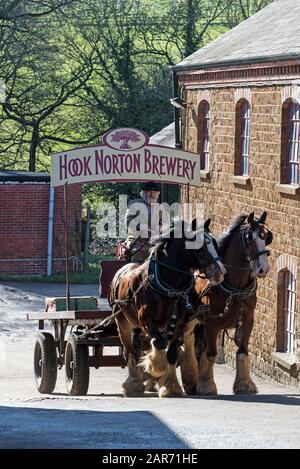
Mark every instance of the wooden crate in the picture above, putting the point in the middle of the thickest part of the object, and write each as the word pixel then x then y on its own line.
pixel 80 303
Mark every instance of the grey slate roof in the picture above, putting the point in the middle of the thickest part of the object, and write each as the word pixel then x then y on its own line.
pixel 23 176
pixel 165 137
pixel 271 34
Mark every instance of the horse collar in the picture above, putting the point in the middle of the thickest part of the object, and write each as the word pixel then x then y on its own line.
pixel 161 287
pixel 233 291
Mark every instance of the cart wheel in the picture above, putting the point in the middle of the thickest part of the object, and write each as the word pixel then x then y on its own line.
pixel 77 367
pixel 45 363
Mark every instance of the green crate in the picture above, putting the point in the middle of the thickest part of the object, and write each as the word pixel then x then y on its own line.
pixel 82 303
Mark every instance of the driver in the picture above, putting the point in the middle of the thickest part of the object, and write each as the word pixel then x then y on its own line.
pixel 139 234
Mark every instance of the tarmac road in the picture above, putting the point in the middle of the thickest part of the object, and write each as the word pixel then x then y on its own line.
pixel 104 419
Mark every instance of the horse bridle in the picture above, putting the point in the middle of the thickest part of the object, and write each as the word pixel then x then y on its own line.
pixel 247 238
pixel 160 286
pixel 210 239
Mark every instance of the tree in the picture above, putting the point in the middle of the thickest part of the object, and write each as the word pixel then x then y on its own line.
pixel 43 67
pixel 239 10
pixel 76 68
pixel 125 136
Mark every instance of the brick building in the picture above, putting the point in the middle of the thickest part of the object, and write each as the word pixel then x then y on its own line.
pixel 25 224
pixel 241 95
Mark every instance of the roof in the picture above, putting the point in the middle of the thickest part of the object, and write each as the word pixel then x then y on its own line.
pixel 271 34
pixel 165 137
pixel 23 176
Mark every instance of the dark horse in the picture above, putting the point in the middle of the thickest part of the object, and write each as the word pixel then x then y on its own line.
pixel 154 300
pixel 232 303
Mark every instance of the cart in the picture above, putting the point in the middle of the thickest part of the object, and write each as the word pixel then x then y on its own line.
pixel 74 343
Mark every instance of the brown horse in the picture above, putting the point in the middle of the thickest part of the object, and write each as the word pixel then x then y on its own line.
pixel 232 303
pixel 154 302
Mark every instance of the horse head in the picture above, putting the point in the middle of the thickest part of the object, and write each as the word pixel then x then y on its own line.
pixel 256 236
pixel 197 249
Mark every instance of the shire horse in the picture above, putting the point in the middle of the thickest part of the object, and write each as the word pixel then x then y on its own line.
pixel 243 251
pixel 152 302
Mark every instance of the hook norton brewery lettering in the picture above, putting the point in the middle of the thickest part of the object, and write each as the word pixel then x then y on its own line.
pixel 125 155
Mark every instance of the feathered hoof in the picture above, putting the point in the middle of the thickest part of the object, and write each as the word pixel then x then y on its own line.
pixel 133 389
pixel 153 364
pixel 207 388
pixel 245 387
pixel 171 391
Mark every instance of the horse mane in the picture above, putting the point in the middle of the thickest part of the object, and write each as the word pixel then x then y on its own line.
pixel 159 243
pixel 224 239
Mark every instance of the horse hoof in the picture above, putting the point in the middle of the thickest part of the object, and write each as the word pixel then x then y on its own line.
pixel 133 389
pixel 207 388
pixel 190 390
pixel 170 391
pixel 151 385
pixel 244 387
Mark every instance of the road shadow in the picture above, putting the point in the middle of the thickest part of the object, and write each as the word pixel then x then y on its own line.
pixel 33 428
pixel 104 394
pixel 282 399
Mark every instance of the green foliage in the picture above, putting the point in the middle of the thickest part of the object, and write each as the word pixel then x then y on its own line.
pixel 75 68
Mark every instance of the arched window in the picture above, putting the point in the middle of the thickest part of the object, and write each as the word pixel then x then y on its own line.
pixel 242 138
pixel 286 317
pixel 290 147
pixel 204 134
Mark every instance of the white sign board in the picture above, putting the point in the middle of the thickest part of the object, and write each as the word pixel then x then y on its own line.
pixel 125 156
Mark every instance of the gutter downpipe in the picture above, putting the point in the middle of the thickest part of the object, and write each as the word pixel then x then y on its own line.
pixel 50 231
pixel 178 125
pixel 176 112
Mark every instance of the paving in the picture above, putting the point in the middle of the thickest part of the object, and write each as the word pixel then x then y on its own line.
pixel 105 419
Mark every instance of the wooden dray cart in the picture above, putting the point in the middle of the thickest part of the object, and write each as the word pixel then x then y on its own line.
pixel 74 343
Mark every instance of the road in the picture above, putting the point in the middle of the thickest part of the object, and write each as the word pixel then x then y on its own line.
pixel 105 419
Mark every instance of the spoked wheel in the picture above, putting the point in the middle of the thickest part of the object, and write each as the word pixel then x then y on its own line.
pixel 45 363
pixel 77 367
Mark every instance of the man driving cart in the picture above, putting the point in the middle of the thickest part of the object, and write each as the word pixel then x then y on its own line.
pixel 143 222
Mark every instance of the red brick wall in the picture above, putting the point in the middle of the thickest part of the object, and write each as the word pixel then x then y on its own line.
pixel 24 212
pixel 223 199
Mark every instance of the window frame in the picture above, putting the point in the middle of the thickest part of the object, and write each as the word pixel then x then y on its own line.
pixel 290 311
pixel 290 144
pixel 204 127
pixel 293 143
pixel 242 137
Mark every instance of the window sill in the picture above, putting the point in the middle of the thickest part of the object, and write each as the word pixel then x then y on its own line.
pixel 204 174
pixel 240 180
pixel 286 360
pixel 292 189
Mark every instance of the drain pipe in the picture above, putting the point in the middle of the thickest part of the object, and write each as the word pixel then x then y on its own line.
pixel 50 231
pixel 178 126
pixel 178 142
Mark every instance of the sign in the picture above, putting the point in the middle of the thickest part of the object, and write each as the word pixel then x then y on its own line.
pixel 125 156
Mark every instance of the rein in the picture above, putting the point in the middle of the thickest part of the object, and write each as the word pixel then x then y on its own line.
pixel 172 268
